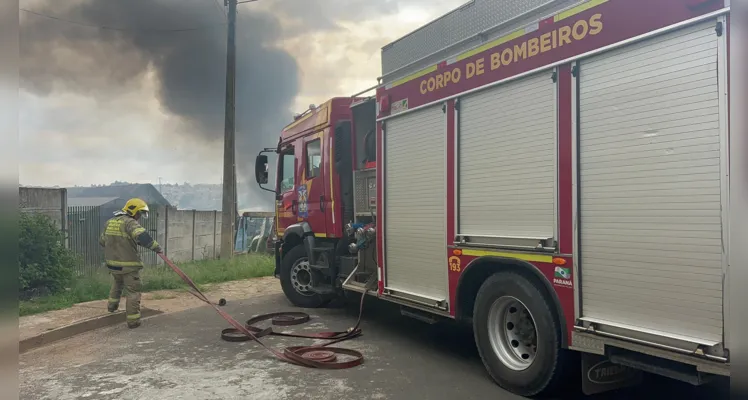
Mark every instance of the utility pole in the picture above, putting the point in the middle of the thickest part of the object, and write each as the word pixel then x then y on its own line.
pixel 228 211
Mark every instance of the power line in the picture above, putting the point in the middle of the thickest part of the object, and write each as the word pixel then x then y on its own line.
pixel 111 28
pixel 221 9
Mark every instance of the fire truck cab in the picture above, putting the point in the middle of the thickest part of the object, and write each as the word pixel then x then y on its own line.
pixel 554 172
pixel 324 199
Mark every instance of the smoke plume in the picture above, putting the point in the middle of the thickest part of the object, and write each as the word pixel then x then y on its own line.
pixel 183 43
pixel 101 48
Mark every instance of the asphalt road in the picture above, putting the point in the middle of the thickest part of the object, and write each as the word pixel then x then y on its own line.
pixel 180 356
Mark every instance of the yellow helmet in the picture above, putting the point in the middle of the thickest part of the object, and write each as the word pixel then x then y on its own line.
pixel 135 206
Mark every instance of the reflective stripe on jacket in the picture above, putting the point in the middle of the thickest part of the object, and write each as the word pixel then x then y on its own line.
pixel 120 240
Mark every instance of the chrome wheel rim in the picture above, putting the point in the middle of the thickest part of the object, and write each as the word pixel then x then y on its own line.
pixel 512 332
pixel 301 277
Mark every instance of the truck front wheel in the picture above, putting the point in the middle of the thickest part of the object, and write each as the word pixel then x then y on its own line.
pixel 517 335
pixel 296 280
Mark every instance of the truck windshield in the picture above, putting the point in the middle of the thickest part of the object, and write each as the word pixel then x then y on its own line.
pixel 287 173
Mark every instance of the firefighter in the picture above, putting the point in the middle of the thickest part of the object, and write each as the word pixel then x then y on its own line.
pixel 120 240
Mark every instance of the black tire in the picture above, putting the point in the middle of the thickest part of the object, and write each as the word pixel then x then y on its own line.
pixel 544 375
pixel 313 300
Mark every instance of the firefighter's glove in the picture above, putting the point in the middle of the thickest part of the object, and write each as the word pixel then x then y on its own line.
pixel 158 250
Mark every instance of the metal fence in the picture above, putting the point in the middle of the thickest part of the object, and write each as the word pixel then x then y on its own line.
pixel 84 228
pixel 85 224
pixel 151 225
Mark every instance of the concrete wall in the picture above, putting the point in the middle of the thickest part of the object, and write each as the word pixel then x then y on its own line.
pixel 179 235
pixel 51 202
pixel 190 235
pixel 185 235
pixel 218 235
pixel 206 236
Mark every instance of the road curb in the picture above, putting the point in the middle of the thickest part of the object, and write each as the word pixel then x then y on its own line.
pixel 79 327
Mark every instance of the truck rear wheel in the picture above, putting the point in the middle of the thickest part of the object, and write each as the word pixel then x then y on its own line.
pixel 296 279
pixel 517 335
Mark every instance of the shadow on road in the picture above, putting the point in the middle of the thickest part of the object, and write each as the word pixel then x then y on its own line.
pixel 455 341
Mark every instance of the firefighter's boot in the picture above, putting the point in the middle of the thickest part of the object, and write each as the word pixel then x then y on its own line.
pixel 115 293
pixel 133 285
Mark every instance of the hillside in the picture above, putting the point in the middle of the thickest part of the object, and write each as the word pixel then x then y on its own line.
pixel 203 197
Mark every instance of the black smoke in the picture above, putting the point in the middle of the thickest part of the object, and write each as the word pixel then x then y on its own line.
pixel 103 47
pixel 182 42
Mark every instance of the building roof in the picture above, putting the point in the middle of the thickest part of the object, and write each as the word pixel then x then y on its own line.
pixel 89 201
pixel 146 191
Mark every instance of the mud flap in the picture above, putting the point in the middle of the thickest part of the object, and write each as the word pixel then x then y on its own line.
pixel 600 375
pixel 278 257
pixel 309 245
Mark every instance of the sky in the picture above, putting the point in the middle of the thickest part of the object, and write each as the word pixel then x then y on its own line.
pixel 143 97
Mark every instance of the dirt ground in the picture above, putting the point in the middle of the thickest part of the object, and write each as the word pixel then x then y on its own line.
pixel 174 300
pixel 180 355
pixel 167 301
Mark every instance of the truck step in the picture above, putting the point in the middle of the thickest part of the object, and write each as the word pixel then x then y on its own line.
pixel 362 276
pixel 317 253
pixel 660 366
pixel 320 249
pixel 419 315
pixel 360 287
pixel 322 289
pixel 355 287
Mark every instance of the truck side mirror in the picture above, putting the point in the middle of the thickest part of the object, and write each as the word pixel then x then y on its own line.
pixel 261 169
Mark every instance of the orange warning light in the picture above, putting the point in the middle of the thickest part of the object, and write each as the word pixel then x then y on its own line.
pixel 559 261
pixel 457 252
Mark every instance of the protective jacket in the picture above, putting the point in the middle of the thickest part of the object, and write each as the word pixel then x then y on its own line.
pixel 120 240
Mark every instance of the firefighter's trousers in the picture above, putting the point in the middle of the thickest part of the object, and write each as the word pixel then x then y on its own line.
pixel 126 278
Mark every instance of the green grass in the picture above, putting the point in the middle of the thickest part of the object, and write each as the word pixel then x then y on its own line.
pixel 155 278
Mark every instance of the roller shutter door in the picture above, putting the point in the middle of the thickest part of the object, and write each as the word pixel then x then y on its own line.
pixel 507 160
pixel 650 240
pixel 415 203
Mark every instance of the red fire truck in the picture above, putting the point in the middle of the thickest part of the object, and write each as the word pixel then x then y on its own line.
pixel 555 173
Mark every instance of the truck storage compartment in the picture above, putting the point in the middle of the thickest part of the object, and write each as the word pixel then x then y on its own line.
pixel 415 203
pixel 651 193
pixel 507 160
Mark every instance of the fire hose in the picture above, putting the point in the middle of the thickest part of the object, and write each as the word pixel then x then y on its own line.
pixel 320 356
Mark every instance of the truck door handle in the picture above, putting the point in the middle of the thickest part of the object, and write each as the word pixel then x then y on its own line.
pixel 322 202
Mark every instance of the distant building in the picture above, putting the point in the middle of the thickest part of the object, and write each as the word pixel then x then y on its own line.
pixel 107 205
pixel 108 200
pixel 106 194
pixel 91 201
pixel 87 217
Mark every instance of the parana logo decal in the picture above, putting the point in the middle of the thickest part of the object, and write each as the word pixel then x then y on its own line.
pixel 607 373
